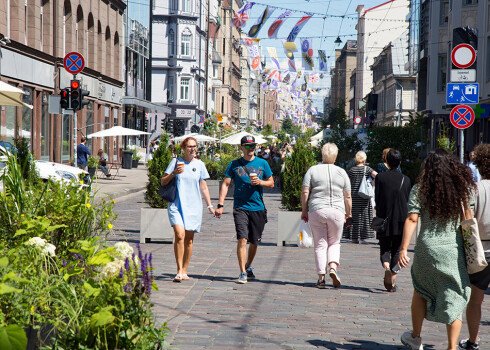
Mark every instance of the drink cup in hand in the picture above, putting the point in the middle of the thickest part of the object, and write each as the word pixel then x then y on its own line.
pixel 253 176
pixel 180 165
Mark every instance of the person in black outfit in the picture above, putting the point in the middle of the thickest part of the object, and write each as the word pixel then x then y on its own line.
pixel 391 201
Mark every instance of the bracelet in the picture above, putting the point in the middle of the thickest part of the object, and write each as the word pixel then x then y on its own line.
pixel 210 206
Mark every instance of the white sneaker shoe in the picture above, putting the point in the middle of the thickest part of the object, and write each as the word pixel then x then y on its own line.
pixel 411 342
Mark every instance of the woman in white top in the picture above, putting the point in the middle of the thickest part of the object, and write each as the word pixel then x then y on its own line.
pixel 481 280
pixel 326 203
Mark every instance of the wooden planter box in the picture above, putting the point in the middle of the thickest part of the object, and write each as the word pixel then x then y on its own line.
pixel 155 225
pixel 288 227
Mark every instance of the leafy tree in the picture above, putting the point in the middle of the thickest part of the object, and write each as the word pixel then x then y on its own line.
pixel 348 144
pixel 156 168
pixel 337 117
pixel 289 127
pixel 295 168
pixel 267 130
pixel 445 141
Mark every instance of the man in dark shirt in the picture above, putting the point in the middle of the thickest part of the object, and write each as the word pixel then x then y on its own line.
pixel 82 154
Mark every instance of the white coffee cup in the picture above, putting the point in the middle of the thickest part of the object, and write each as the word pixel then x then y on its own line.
pixel 180 165
pixel 253 175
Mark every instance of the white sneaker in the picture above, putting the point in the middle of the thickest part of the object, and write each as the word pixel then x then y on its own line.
pixel 411 342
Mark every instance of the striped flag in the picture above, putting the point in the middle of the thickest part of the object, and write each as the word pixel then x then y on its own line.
pixel 274 28
pixel 241 17
pixel 297 28
pixel 254 30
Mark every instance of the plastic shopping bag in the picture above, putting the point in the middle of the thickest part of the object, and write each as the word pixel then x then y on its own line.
pixel 305 238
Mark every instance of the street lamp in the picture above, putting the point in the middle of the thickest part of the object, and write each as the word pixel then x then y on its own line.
pixel 338 41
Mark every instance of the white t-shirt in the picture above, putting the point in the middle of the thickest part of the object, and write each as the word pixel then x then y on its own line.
pixel 327 183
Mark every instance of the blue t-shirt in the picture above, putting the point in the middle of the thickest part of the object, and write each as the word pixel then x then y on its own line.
pixel 82 152
pixel 246 196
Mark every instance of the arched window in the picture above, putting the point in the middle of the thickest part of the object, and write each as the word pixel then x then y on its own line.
pixel 171 43
pixel 117 54
pixel 67 28
pixel 185 43
pixel 80 31
pixel 99 45
pixel 108 52
pixel 91 41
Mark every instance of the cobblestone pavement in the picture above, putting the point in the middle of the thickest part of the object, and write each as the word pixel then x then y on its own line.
pixel 281 309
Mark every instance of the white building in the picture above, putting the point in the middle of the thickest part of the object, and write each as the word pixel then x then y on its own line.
pixel 376 27
pixel 178 58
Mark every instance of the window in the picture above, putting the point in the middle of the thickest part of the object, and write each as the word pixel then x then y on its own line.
pixel 470 2
pixel 89 117
pixel 487 73
pixel 186 5
pixel 443 14
pixel 26 131
pixel 170 89
pixel 26 22
pixel 115 112
pixel 171 43
pixel 185 46
pixel 42 25
pixel 11 124
pixel 184 89
pixel 441 73
pixel 174 4
pixel 45 127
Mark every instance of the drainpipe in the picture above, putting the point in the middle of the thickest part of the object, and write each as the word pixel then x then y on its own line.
pixel 401 103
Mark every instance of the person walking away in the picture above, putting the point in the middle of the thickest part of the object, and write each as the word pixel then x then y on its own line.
pixel 440 280
pixel 391 192
pixel 82 154
pixel 383 166
pixel 185 212
pixel 103 163
pixel 250 174
pixel 473 167
pixel 326 204
pixel 481 280
pixel 362 210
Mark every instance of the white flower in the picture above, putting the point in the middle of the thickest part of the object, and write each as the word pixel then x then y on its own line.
pixel 46 248
pixel 112 269
pixel 124 250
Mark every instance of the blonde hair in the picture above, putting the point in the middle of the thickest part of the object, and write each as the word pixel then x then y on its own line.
pixel 385 153
pixel 360 157
pixel 329 152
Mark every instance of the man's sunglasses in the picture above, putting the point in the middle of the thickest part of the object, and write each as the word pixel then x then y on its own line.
pixel 249 146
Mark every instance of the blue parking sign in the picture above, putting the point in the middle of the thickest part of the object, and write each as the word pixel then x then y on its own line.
pixel 466 93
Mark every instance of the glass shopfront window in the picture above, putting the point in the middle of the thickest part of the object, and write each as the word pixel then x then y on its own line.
pixel 11 124
pixel 89 127
pixel 66 138
pixel 26 131
pixel 115 111
pixel 45 128
pixel 107 125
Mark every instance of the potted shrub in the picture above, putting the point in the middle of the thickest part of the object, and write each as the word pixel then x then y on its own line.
pixel 136 158
pixel 92 165
pixel 295 168
pixel 154 220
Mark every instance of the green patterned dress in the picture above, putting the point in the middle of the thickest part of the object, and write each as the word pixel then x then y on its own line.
pixel 439 268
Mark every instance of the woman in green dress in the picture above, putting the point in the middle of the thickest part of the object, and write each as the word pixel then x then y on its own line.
pixel 440 280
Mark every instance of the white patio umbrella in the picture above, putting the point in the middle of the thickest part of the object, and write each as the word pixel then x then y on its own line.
pixel 183 137
pixel 272 137
pixel 11 96
pixel 235 139
pixel 117 131
pixel 199 138
pixel 318 136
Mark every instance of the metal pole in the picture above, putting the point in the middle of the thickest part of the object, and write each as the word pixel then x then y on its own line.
pixel 206 62
pixel 75 132
pixel 461 148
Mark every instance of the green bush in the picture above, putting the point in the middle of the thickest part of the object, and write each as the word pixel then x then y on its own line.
pixel 216 169
pixel 156 168
pixel 93 162
pixel 295 168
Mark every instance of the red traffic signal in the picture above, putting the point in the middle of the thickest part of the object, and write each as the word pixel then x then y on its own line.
pixel 75 84
pixel 75 94
pixel 65 98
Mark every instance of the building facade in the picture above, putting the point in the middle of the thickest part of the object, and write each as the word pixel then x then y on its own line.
pixel 40 34
pixel 178 59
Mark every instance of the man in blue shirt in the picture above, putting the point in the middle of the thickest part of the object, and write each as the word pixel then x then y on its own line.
pixel 248 206
pixel 82 154
pixel 474 169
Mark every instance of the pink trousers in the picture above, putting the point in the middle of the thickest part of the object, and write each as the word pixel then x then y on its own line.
pixel 326 227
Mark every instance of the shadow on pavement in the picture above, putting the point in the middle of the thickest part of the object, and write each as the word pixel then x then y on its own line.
pixel 364 344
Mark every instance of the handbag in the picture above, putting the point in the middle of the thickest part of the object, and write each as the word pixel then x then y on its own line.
pixel 169 191
pixel 365 189
pixel 379 224
pixel 473 248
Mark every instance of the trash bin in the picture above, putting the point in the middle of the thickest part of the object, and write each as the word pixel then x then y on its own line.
pixel 127 159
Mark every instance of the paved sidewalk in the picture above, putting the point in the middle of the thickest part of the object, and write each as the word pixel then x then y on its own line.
pixel 281 309
pixel 130 181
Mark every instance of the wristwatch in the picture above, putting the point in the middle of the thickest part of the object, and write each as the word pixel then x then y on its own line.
pixel 219 206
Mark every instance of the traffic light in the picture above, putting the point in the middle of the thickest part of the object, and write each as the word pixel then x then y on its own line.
pixel 65 98
pixel 195 129
pixel 84 102
pixel 170 126
pixel 179 127
pixel 75 94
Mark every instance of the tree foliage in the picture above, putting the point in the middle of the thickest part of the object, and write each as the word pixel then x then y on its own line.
pixel 156 168
pixel 295 168
pixel 289 127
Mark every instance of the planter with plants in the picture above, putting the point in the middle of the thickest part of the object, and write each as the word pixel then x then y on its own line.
pixel 295 168
pixel 92 164
pixel 136 158
pixel 154 220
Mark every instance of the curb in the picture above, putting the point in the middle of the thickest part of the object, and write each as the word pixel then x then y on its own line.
pixel 123 193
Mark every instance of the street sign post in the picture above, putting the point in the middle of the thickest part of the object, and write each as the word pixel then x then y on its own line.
pixel 463 56
pixel 462 117
pixel 457 93
pixel 74 62
pixel 357 120
pixel 463 75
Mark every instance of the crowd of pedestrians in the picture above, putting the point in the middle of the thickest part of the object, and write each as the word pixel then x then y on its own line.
pixel 445 193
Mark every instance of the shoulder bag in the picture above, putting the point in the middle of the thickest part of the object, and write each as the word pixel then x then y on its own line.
pixel 169 191
pixel 379 224
pixel 365 189
pixel 473 248
pixel 260 188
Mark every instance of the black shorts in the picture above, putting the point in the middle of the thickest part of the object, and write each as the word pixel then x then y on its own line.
pixel 249 224
pixel 481 279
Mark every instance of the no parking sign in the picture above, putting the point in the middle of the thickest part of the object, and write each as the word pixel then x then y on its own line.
pixel 462 117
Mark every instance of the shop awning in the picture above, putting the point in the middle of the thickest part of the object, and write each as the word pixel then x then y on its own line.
pixel 152 107
pixel 216 57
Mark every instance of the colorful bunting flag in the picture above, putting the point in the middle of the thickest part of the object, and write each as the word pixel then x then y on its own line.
pixel 274 28
pixel 314 78
pixel 254 30
pixel 273 54
pixel 241 17
pixel 254 57
pixel 322 57
pixel 307 53
pixel 297 28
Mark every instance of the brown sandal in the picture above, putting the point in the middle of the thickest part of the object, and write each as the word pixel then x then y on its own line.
pixel 387 281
